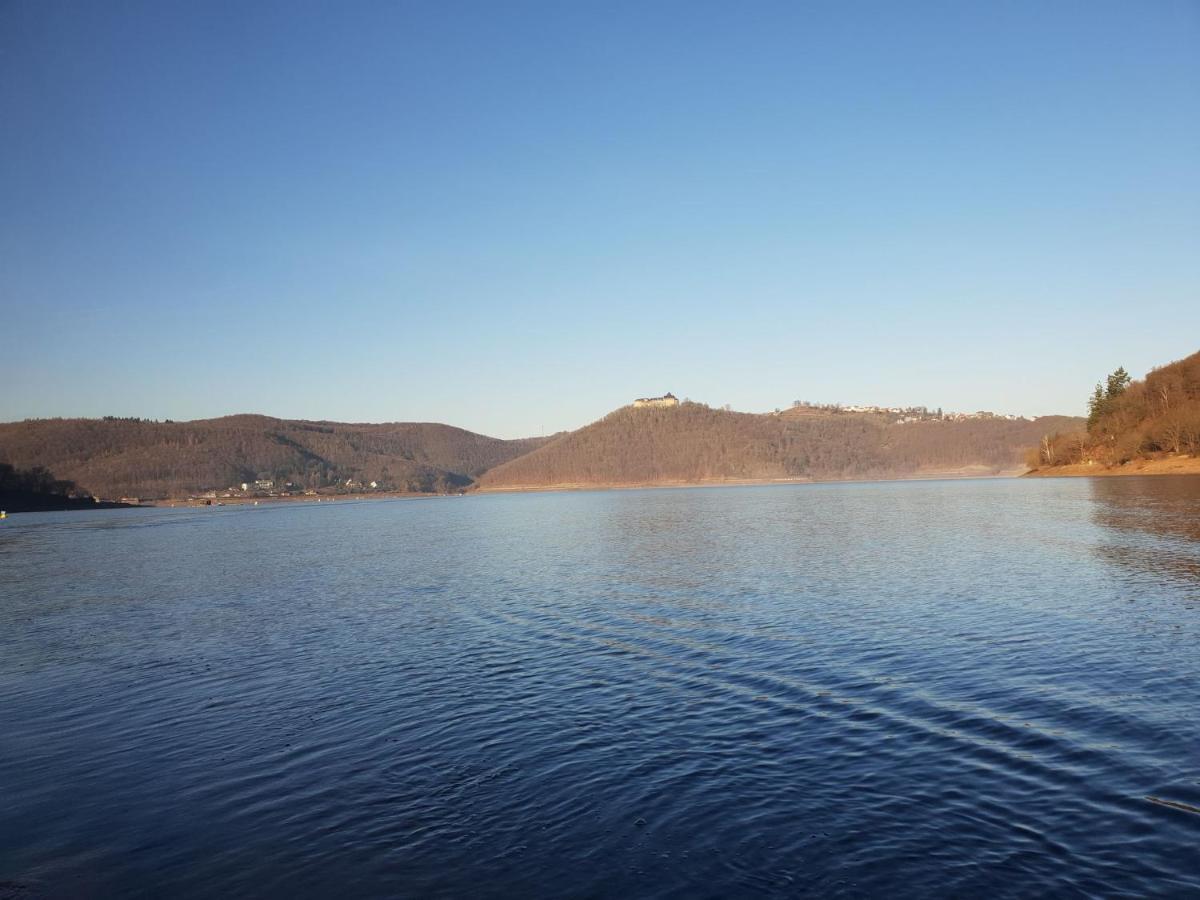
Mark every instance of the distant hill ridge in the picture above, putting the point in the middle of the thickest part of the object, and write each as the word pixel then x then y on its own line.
pixel 694 443
pixel 129 457
pixel 656 444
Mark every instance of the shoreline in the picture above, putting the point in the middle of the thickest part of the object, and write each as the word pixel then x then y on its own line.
pixel 945 475
pixel 1181 465
pixel 1171 465
pixel 260 501
pixel 15 503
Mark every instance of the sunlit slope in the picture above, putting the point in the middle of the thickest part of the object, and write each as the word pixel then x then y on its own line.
pixel 693 443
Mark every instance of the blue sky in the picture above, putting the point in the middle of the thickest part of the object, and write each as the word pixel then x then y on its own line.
pixel 514 217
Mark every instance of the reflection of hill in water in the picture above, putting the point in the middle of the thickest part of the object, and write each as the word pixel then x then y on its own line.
pixel 1152 525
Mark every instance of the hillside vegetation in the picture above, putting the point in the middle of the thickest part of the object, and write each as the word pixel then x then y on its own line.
pixel 695 443
pixel 1131 420
pixel 129 457
pixel 36 489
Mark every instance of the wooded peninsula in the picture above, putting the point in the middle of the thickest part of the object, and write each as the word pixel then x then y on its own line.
pixel 1151 426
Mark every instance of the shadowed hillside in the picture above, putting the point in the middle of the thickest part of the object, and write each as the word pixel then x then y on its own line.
pixel 130 457
pixel 37 490
pixel 694 443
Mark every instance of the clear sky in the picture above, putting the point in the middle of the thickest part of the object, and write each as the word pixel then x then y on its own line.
pixel 515 217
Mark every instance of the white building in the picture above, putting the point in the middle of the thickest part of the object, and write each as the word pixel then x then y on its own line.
pixel 667 399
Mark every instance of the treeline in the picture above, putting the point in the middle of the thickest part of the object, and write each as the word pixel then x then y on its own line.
pixel 695 443
pixel 38 490
pixel 140 458
pixel 1130 419
pixel 37 480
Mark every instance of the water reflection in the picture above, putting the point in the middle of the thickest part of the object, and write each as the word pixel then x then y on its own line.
pixel 1150 525
pixel 908 689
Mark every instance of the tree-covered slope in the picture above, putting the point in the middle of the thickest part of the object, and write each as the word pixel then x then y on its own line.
pixel 120 457
pixel 1132 420
pixel 695 443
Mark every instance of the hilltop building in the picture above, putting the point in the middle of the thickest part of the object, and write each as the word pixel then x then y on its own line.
pixel 667 399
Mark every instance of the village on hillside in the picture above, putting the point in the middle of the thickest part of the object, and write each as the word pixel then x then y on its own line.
pixel 267 489
pixel 897 415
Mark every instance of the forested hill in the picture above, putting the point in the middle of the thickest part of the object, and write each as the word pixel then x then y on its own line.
pixel 129 457
pixel 695 443
pixel 37 490
pixel 1131 421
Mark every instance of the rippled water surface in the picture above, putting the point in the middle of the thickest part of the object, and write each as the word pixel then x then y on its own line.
pixel 907 689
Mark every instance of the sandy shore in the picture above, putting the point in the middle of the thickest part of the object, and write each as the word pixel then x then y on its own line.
pixel 1171 465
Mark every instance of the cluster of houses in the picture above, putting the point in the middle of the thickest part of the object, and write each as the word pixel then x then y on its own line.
pixel 901 415
pixel 982 414
pixel 904 415
pixel 266 487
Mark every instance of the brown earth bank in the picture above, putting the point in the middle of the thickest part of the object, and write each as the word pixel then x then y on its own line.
pixel 1170 465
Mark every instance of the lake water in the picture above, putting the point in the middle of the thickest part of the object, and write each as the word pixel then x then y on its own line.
pixel 937 689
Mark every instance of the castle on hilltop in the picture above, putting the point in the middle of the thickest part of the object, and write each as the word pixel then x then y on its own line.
pixel 667 399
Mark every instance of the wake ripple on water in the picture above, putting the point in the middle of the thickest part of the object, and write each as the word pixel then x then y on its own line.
pixel 489 698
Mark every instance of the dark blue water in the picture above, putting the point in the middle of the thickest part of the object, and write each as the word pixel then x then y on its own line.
pixel 945 689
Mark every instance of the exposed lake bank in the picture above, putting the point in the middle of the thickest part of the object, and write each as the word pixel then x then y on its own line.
pixel 962 473
pixel 1171 465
